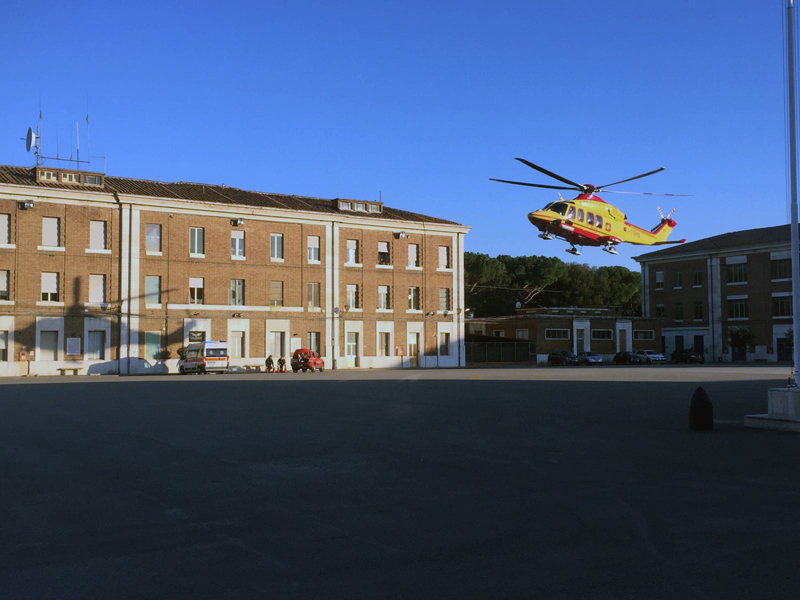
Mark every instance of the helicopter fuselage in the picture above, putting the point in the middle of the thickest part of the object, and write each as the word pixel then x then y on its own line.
pixel 587 220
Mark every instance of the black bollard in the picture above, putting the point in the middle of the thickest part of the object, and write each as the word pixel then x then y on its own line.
pixel 701 411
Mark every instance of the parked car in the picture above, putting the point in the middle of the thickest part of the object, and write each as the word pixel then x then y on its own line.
pixel 687 356
pixel 626 358
pixel 650 356
pixel 307 360
pixel 562 357
pixel 590 358
pixel 204 357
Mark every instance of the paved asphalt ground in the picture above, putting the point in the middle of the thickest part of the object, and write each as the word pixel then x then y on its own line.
pixel 486 483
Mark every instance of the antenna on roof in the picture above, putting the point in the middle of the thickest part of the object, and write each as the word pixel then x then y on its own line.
pixel 33 141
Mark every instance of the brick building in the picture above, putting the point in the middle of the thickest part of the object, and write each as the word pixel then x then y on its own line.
pixel 600 329
pixel 705 289
pixel 104 273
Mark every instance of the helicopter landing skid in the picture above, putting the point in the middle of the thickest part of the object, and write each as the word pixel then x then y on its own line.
pixel 574 251
pixel 610 249
pixel 546 235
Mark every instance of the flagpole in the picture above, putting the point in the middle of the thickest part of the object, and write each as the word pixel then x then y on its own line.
pixel 793 193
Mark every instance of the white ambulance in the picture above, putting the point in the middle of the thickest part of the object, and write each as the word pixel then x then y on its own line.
pixel 204 357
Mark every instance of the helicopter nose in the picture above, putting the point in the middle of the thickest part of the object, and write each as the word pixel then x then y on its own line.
pixel 535 217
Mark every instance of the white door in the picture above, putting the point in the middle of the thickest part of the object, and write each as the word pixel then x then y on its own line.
pixel 277 344
pixel 48 345
pixel 413 349
pixel 351 349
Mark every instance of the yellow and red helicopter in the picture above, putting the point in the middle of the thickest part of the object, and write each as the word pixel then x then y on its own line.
pixel 588 220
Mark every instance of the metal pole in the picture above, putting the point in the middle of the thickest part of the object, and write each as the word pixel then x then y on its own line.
pixel 793 193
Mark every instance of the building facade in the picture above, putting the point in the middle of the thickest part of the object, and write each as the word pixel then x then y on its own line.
pixel 109 274
pixel 604 330
pixel 715 292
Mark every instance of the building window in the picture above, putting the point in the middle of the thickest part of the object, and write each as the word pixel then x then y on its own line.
pixel 678 279
pixel 237 244
pixel 498 333
pixel 697 279
pixel 361 207
pixel 660 311
pixel 413 298
pixel 737 273
pixel 383 253
pixel 152 237
pixel 659 280
pixel 237 292
pixel 313 293
pixel 197 244
pixel 152 289
pixel 413 255
pixel 556 334
pixel 276 293
pixel 93 179
pixel 237 344
pixel 196 290
pixel 738 309
pixel 679 311
pixel 97 289
pixel 444 343
pixel 5 229
pixel 51 232
pixel 521 334
pixel 352 252
pixel 313 341
pixel 3 346
pixel 352 296
pixel 96 345
pixel 444 299
pixel 698 311
pixel 384 344
pixel 644 335
pixel 345 206
pixel 97 235
pixel 383 297
pixel 49 287
pixel 781 306
pixel 276 246
pixel 4 285
pixel 602 334
pixel 313 248
pixel 781 268
pixel 444 257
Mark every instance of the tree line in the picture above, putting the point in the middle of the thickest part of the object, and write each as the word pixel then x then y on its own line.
pixel 495 285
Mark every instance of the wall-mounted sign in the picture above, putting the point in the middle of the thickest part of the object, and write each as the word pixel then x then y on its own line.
pixel 197 336
pixel 73 346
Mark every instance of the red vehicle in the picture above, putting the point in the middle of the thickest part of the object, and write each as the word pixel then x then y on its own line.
pixel 307 360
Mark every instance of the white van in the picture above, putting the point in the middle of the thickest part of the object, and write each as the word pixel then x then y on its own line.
pixel 204 357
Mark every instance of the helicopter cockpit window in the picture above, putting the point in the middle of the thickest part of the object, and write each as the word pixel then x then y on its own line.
pixel 571 212
pixel 580 215
pixel 559 207
pixel 598 221
pixel 590 218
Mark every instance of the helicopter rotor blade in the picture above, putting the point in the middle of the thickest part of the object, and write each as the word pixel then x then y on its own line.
pixel 578 186
pixel 536 185
pixel 644 193
pixel 658 170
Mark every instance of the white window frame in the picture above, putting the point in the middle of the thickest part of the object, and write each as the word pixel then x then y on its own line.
pixel 384 297
pixel 445 259
pixel 237 289
pixel 50 286
pixel 277 301
pixel 150 300
pixel 414 261
pixel 312 249
pixel 521 334
pixel 51 226
pixel 351 297
pixel 197 242
pixel 352 253
pixel 610 333
pixel 549 334
pixel 5 230
pixel 197 297
pixel 414 298
pixel 384 254
pixel 313 295
pixel 659 280
pixel 147 239
pixel 5 293
pixel 237 244
pixel 276 247
pixel 97 289
pixel 98 236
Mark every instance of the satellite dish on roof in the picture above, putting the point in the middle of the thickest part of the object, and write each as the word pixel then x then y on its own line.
pixel 30 139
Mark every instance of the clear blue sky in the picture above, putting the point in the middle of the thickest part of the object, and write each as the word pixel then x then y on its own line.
pixel 420 101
